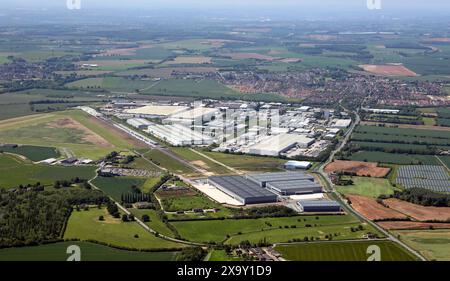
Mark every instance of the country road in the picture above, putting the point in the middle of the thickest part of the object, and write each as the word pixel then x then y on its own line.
pixel 330 188
pixel 319 170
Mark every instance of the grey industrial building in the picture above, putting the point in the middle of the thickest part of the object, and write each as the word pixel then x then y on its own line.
pixel 264 178
pixel 317 206
pixel 242 189
pixel 294 187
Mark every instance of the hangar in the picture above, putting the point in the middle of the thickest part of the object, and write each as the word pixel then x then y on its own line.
pixel 242 189
pixel 316 206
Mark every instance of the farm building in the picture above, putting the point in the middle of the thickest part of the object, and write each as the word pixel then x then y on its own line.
pixel 156 111
pixel 274 145
pixel 294 165
pixel 264 178
pixel 179 135
pixel 139 123
pixel 198 115
pixel 242 189
pixel 294 187
pixel 315 206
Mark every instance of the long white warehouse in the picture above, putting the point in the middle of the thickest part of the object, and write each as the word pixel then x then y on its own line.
pixel 179 135
pixel 274 145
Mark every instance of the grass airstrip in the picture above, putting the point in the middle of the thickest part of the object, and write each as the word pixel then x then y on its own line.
pixel 72 131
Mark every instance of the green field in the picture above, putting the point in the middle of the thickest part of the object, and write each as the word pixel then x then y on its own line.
pixel 34 153
pixel 84 225
pixel 342 251
pixel 432 244
pixel 204 88
pixel 15 171
pixel 88 139
pixel 221 255
pixel 200 161
pixel 168 162
pixel 155 222
pixel 89 252
pixel 116 186
pixel 272 229
pixel 446 160
pixel 248 163
pixel 370 187
pixel 394 158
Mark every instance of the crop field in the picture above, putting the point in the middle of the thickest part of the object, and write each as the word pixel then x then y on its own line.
pixel 33 153
pixel 402 132
pixel 74 130
pixel 248 163
pixel 342 251
pixel 433 244
pixel 418 212
pixel 117 64
pixel 395 147
pixel 412 225
pixel 89 252
pixel 272 229
pixel 116 186
pixel 394 158
pixel 445 160
pixel 366 186
pixel 85 225
pixel 388 70
pixel 360 168
pixel 112 83
pixel 205 89
pixel 372 210
pixel 14 171
pixel 435 178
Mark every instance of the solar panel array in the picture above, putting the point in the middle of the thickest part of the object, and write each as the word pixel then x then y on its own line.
pixel 241 187
pixel 435 178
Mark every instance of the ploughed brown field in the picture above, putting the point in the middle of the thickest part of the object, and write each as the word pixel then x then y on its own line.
pixel 372 210
pixel 412 225
pixel 388 70
pixel 418 212
pixel 358 167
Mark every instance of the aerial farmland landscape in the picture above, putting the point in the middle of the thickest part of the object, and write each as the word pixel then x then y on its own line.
pixel 230 132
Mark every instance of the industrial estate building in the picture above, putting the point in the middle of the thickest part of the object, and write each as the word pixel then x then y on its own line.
pixel 295 187
pixel 139 123
pixel 318 206
pixel 275 145
pixel 242 189
pixel 294 165
pixel 178 135
pixel 156 111
pixel 287 183
pixel 266 187
pixel 197 115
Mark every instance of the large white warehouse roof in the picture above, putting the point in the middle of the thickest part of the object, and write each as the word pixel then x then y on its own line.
pixel 157 110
